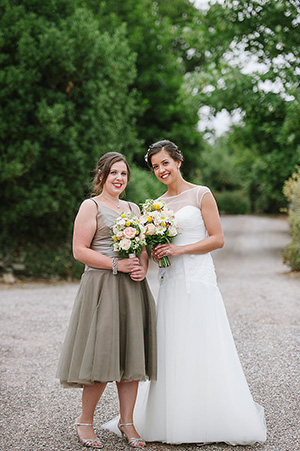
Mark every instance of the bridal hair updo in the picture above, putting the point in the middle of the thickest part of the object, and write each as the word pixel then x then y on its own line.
pixel 166 145
pixel 103 168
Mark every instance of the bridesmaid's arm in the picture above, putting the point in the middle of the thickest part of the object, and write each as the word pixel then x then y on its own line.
pixel 215 240
pixel 85 226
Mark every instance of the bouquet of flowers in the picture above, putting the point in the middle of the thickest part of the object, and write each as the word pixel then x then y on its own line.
pixel 128 235
pixel 160 225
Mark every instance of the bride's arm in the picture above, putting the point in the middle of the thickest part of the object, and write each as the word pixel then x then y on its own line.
pixel 215 240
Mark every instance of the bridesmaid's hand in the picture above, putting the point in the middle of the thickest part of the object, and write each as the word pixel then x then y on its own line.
pixel 138 274
pixel 128 264
pixel 167 249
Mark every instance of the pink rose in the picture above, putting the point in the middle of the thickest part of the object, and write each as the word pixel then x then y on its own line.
pixel 172 231
pixel 150 229
pixel 130 232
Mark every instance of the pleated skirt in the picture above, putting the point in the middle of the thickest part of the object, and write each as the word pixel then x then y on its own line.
pixel 112 332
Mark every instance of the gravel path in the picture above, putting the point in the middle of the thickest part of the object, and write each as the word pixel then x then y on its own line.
pixel 262 300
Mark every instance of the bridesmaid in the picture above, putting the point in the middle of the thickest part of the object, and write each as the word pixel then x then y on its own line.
pixel 111 335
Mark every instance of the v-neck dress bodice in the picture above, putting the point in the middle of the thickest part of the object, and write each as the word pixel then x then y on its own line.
pixel 112 330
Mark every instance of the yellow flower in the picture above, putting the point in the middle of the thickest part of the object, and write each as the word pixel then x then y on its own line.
pixel 127 223
pixel 123 215
pixel 137 232
pixel 149 219
pixel 114 238
pixel 157 207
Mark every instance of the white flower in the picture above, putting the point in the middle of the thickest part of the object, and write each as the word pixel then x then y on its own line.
pixel 119 235
pixel 125 244
pixel 160 230
pixel 155 214
pixel 157 220
pixel 116 247
pixel 143 219
pixel 168 214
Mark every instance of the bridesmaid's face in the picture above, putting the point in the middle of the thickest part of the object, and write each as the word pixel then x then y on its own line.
pixel 117 179
pixel 165 168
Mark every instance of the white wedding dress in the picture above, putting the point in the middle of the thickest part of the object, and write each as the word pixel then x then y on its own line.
pixel 201 393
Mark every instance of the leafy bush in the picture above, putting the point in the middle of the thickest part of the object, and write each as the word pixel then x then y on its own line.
pixel 41 262
pixel 291 255
pixel 291 191
pixel 233 202
pixel 66 99
pixel 45 262
pixel 218 168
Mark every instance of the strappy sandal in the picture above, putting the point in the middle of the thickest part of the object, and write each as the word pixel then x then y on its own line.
pixel 88 442
pixel 135 442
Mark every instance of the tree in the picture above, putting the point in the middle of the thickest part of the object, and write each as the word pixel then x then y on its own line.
pixel 267 142
pixel 66 100
pixel 168 110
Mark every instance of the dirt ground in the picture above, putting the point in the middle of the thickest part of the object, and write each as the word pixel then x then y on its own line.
pixel 262 299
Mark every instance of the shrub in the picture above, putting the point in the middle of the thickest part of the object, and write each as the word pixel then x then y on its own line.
pixel 66 99
pixel 291 190
pixel 233 202
pixel 41 262
pixel 291 255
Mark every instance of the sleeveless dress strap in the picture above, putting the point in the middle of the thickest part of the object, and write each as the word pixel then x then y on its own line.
pixel 98 206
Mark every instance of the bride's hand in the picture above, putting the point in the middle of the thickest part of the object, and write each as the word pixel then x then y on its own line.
pixel 153 255
pixel 165 250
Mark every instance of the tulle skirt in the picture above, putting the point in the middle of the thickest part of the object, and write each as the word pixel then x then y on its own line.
pixel 201 393
pixel 112 332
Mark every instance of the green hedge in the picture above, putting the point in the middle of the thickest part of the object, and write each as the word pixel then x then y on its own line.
pixel 291 256
pixel 291 190
pixel 233 202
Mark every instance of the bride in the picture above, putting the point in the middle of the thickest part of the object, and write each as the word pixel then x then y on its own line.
pixel 201 394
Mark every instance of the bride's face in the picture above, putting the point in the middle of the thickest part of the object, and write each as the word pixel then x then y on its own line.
pixel 165 168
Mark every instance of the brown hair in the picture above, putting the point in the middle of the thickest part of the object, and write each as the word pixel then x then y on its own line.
pixel 103 167
pixel 166 145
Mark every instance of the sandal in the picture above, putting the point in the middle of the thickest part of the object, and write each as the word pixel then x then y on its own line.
pixel 135 442
pixel 88 442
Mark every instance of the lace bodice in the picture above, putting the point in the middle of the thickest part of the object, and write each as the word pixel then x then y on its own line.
pixel 187 209
pixel 191 228
pixel 192 196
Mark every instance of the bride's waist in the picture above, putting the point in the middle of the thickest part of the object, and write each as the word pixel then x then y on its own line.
pixel 191 260
pixel 198 267
pixel 183 239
